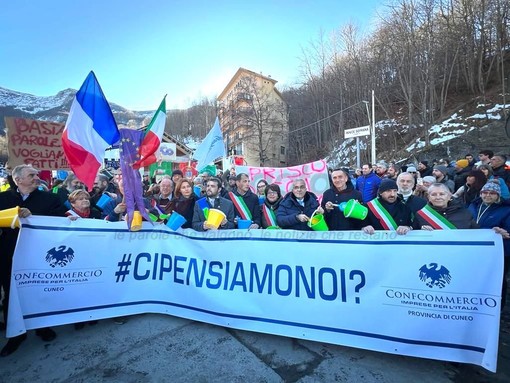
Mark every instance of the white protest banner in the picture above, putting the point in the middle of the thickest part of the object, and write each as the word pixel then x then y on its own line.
pixel 315 175
pixel 411 295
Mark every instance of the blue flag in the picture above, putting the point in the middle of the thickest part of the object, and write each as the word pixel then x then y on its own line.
pixel 211 148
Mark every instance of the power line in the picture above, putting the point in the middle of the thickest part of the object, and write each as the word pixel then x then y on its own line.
pixel 325 118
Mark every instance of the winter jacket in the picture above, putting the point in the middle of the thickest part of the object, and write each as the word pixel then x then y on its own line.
pixel 183 206
pixel 368 186
pixel 290 208
pixel 335 218
pixel 252 202
pixel 273 206
pixel 414 202
pixel 457 214
pixel 220 203
pixel 494 215
pixel 400 213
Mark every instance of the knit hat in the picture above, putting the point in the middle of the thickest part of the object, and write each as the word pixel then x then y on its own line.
pixel 491 186
pixel 424 162
pixel 462 163
pixel 441 168
pixel 430 179
pixel 387 184
pixel 411 169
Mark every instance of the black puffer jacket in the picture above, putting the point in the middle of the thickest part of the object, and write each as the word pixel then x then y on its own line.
pixel 335 218
pixel 457 214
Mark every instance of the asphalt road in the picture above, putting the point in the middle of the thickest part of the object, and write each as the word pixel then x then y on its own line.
pixel 159 348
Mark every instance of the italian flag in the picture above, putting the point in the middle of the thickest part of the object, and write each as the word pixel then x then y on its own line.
pixel 152 138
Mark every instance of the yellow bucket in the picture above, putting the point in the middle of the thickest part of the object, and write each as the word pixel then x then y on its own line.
pixel 136 222
pixel 9 217
pixel 215 218
pixel 317 222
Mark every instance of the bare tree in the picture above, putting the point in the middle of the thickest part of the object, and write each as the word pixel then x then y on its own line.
pixel 262 116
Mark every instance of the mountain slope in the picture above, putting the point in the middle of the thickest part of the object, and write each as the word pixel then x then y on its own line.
pixel 56 108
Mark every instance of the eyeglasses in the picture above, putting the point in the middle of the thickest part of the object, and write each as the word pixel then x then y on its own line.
pixel 489 192
pixel 299 187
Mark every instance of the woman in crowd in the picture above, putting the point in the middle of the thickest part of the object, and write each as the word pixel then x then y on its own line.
pixel 491 213
pixel 184 201
pixel 273 197
pixel 468 192
pixel 261 190
pixel 341 191
pixel 80 206
pixel 443 212
pixel 487 170
pixel 422 186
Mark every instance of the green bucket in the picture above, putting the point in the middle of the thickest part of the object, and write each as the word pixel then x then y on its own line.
pixel 353 209
pixel 317 222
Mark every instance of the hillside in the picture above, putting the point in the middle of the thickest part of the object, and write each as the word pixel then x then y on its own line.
pixel 470 126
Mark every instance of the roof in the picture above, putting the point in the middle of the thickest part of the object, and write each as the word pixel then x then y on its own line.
pixel 236 77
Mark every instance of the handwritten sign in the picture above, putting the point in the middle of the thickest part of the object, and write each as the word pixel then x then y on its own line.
pixel 315 175
pixel 35 142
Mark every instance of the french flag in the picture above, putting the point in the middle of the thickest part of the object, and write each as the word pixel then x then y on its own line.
pixel 90 129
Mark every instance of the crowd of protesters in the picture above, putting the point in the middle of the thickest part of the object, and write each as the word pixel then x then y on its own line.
pixel 428 195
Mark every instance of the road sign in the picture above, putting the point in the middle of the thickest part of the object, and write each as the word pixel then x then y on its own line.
pixel 357 132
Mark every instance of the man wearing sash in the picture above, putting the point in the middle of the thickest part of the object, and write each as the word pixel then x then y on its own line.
pixel 387 212
pixel 444 213
pixel 212 200
pixel 246 203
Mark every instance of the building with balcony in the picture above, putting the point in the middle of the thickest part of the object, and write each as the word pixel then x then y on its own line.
pixel 254 119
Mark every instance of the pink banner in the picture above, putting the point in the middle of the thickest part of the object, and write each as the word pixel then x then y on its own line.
pixel 315 175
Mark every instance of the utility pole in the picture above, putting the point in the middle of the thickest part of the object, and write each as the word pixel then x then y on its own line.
pixel 373 129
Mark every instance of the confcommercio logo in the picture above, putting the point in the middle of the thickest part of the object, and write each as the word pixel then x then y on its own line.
pixel 437 277
pixel 58 257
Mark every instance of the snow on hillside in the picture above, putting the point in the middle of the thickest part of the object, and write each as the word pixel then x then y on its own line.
pixel 31 104
pixel 453 127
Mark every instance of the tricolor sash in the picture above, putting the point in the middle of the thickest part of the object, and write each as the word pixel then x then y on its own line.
pixel 269 215
pixel 240 205
pixel 384 217
pixel 434 219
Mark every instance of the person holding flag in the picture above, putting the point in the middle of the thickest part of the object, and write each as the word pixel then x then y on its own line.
pixel 387 212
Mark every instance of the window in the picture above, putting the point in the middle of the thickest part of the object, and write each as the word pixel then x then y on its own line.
pixel 282 150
